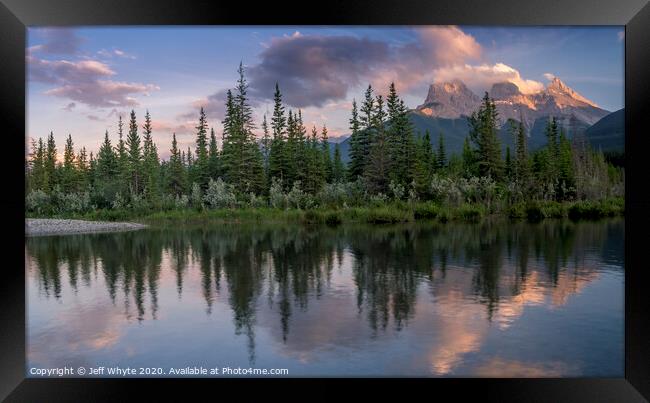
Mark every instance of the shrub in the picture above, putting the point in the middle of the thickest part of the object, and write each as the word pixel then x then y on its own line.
pixel 386 215
pixel 181 201
pixel 277 198
pixel 469 212
pixel 256 201
pixel 38 201
pixel 397 190
pixel 219 195
pixel 333 218
pixel 298 198
pixel 195 197
pixel 425 211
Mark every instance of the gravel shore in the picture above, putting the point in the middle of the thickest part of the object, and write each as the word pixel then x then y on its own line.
pixel 46 226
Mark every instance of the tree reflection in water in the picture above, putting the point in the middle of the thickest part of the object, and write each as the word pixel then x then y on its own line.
pixel 288 267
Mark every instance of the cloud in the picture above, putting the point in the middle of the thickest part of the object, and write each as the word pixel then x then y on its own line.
pixel 621 36
pixel 214 106
pixel 63 41
pixel 549 76
pixel 95 118
pixel 313 70
pixel 69 107
pixel 115 52
pixel 480 78
pixel 86 82
pixel 61 71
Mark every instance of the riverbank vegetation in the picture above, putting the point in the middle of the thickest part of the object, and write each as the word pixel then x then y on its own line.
pixel 286 172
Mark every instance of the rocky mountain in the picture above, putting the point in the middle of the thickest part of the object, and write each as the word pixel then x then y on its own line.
pixel 448 106
pixel 453 100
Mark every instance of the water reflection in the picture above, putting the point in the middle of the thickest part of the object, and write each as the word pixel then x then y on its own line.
pixel 441 299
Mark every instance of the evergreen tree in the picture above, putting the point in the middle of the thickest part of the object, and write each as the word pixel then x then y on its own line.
pixel 358 146
pixel 483 132
pixel 522 163
pixel 468 159
pixel 134 151
pixel 338 168
pixel 424 165
pixel 441 157
pixel 69 176
pixel 400 139
pixel 508 166
pixel 241 156
pixel 277 154
pixel 122 157
pixel 327 160
pixel 213 156
pixel 377 171
pixel 565 168
pixel 82 167
pixel 106 161
pixel 201 166
pixel 151 163
pixel 176 177
pixel 266 143
pixel 38 172
pixel 50 164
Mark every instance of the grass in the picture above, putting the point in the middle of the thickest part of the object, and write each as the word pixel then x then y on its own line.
pixel 390 213
pixel 578 210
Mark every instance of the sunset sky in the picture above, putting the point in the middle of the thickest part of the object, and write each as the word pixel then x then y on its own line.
pixel 81 79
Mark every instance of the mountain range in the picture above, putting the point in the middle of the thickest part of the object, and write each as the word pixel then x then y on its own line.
pixel 448 105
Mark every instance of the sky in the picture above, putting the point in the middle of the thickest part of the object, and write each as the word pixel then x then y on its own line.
pixel 79 80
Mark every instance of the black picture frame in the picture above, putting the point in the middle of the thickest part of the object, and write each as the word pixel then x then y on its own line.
pixel 16 15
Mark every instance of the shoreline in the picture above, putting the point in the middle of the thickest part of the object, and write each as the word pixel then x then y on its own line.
pixel 378 214
pixel 56 226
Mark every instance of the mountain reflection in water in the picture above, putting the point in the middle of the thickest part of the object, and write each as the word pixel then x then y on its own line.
pixel 491 299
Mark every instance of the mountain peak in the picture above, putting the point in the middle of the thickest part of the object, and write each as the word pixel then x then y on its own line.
pixel 452 100
pixel 565 95
pixel 504 90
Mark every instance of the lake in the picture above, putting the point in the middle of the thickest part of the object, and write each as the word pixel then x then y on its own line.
pixel 494 299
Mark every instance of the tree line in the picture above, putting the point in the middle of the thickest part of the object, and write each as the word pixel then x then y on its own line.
pixel 387 160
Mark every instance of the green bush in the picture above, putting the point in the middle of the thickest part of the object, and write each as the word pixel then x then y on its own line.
pixel 470 212
pixel 424 211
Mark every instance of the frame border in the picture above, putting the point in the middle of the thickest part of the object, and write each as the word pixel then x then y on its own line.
pixel 16 15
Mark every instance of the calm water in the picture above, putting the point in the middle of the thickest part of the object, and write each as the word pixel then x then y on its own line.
pixel 493 299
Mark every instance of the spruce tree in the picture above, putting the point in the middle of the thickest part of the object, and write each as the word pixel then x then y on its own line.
pixel 357 146
pixel 134 152
pixel 423 165
pixel 483 132
pixel 338 168
pixel 82 168
pixel 327 160
pixel 151 163
pixel 378 168
pixel 201 166
pixel 38 172
pixel 213 156
pixel 50 164
pixel 176 177
pixel 242 158
pixel 441 157
pixel 122 157
pixel 69 176
pixel 277 153
pixel 106 161
pixel 508 164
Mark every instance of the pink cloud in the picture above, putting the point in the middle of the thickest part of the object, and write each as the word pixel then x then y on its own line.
pixel 102 93
pixel 480 78
pixel 86 82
